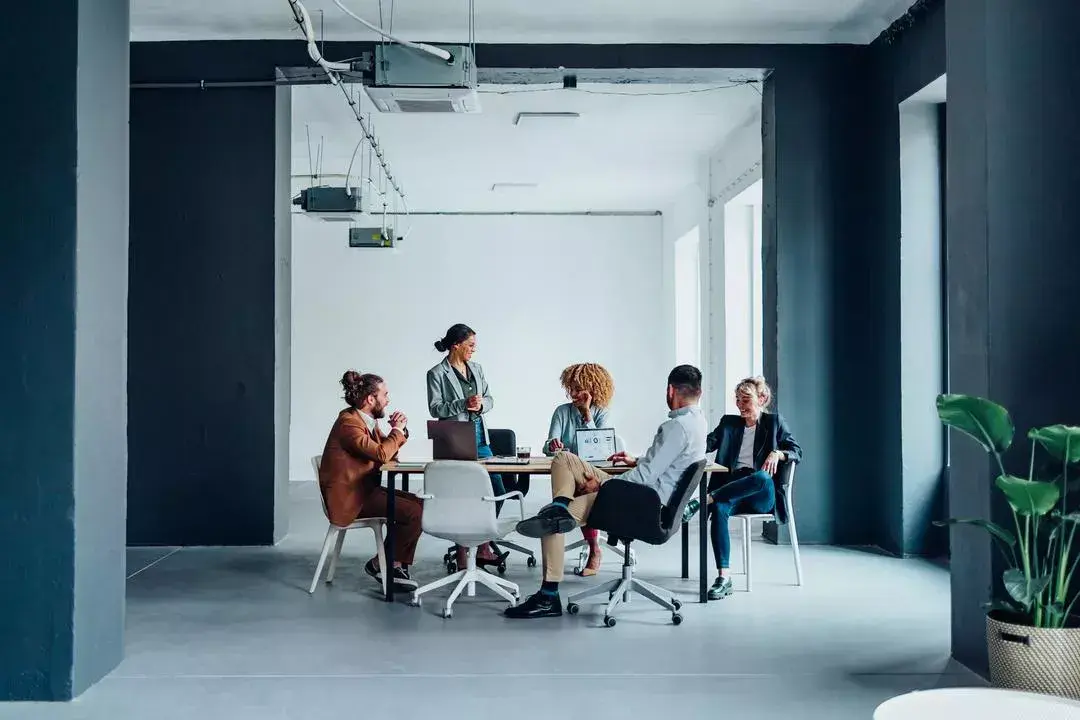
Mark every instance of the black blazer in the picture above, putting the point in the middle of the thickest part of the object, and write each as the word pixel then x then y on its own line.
pixel 772 434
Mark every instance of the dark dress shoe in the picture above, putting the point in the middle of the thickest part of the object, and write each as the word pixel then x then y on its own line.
pixel 552 519
pixel 537 606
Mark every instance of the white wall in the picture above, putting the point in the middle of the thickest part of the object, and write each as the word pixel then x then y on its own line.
pixel 541 292
pixel 688 212
pixel 742 290
pixel 733 172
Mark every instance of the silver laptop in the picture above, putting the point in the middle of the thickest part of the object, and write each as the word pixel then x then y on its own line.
pixel 596 446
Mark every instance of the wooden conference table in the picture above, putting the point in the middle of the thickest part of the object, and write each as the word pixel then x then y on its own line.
pixel 542 466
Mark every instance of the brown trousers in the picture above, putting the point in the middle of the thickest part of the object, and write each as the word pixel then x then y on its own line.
pixel 407 511
pixel 568 476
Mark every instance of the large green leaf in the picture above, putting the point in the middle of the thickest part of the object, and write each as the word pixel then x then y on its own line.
pixel 987 422
pixel 993 528
pixel 1029 497
pixel 1021 590
pixel 1056 438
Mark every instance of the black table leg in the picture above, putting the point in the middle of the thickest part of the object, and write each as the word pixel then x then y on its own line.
pixel 391 533
pixel 685 550
pixel 703 532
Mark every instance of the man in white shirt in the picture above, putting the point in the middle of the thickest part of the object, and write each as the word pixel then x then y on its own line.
pixel 679 442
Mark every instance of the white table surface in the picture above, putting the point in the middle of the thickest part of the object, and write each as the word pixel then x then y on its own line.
pixel 977 704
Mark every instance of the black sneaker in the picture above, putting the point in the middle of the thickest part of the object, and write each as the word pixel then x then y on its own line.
pixel 372 569
pixel 690 510
pixel 402 581
pixel 552 519
pixel 721 588
pixel 540 605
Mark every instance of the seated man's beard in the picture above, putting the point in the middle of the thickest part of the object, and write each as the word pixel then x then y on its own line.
pixel 378 412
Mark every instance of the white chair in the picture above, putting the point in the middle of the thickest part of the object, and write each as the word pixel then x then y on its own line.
pixel 335 537
pixel 583 547
pixel 459 507
pixel 788 480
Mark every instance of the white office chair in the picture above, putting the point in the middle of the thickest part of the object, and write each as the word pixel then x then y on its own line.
pixel 788 499
pixel 583 547
pixel 335 537
pixel 458 507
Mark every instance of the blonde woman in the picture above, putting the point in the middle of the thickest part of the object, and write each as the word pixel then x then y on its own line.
pixel 589 387
pixel 752 444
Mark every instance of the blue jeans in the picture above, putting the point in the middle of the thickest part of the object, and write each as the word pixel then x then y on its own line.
pixel 484 451
pixel 753 493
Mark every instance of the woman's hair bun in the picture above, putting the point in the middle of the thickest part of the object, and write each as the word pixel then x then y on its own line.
pixel 440 346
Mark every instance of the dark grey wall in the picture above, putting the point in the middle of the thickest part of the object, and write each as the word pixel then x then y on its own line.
pixel 61 608
pixel 900 64
pixel 37 365
pixel 1013 168
pixel 101 284
pixel 813 143
pixel 202 306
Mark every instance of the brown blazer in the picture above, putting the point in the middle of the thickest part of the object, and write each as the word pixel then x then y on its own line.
pixel 350 464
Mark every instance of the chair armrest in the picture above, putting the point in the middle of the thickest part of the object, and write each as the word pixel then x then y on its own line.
pixel 505 496
pixel 512 495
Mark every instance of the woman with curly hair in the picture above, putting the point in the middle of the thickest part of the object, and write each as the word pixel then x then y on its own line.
pixel 589 387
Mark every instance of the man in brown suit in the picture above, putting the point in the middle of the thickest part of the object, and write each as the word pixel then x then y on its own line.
pixel 349 475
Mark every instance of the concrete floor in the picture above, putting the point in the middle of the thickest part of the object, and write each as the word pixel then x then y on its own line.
pixel 232 633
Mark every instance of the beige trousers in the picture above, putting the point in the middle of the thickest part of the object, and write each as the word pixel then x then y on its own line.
pixel 568 476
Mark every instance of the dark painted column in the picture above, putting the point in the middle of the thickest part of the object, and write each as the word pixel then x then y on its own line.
pixel 202 317
pixel 1013 224
pixel 63 320
pixel 819 335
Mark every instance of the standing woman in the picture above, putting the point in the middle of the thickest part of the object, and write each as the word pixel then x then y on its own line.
pixel 457 390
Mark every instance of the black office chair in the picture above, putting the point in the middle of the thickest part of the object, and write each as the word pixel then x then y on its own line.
pixel 629 511
pixel 503 443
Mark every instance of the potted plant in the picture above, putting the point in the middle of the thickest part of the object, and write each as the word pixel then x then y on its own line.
pixel 1032 634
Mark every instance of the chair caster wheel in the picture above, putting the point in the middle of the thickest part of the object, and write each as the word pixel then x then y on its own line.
pixel 677 604
pixel 609 621
pixel 531 562
pixel 572 608
pixel 451 567
pixel 676 619
pixel 447 614
pixel 502 568
pixel 416 602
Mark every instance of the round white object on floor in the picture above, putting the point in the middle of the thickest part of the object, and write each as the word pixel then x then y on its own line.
pixel 981 703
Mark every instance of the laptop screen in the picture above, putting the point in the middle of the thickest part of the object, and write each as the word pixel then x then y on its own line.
pixel 595 445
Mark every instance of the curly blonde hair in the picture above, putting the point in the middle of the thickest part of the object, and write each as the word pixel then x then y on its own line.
pixel 592 378
pixel 758 387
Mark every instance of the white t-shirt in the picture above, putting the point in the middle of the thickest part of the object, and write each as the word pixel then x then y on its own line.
pixel 746 450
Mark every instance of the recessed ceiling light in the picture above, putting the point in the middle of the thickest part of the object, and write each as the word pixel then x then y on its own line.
pixel 500 186
pixel 543 115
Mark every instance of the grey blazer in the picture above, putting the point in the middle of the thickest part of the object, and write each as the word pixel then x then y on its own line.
pixel 446 400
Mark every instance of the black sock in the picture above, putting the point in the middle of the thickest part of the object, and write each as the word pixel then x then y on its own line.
pixel 549 588
pixel 560 500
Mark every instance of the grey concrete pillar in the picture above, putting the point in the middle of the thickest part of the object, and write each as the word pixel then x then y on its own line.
pixel 63 324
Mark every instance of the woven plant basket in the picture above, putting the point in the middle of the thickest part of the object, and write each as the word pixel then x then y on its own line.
pixel 1041 660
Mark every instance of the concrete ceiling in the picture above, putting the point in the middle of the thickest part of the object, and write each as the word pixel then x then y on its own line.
pixel 633 147
pixel 532 21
